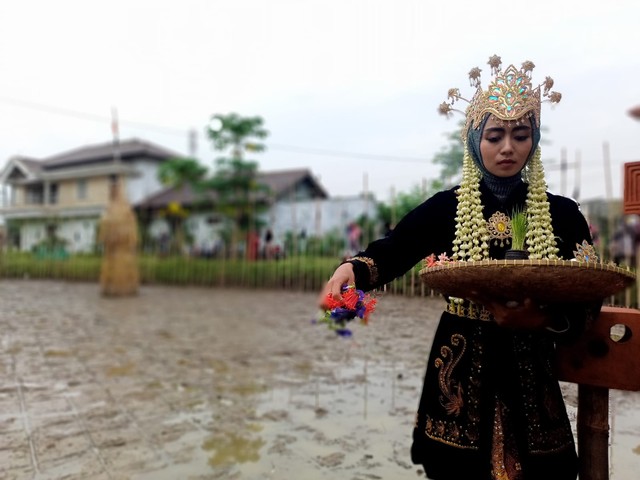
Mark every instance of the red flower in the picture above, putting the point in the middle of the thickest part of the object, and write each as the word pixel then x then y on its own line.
pixel 332 302
pixel 430 260
pixel 353 304
pixel 350 298
pixel 370 307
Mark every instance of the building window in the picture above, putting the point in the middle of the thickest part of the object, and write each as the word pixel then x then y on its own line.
pixel 82 189
pixel 34 194
pixel 53 193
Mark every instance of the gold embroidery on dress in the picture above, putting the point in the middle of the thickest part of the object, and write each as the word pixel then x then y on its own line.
pixel 449 433
pixel 470 310
pixel 499 226
pixel 451 400
pixel 547 432
pixel 462 431
pixel 504 461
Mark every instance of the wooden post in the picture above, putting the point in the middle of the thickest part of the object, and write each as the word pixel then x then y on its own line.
pixel 593 362
pixel 593 432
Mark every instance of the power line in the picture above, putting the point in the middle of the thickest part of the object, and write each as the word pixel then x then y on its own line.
pixel 88 116
pixel 337 153
pixel 181 132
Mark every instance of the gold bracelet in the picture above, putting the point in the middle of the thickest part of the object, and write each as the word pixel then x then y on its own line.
pixel 371 265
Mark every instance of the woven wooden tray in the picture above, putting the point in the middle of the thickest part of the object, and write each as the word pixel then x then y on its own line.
pixel 546 281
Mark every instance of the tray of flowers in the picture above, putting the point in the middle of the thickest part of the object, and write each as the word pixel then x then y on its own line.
pixel 543 280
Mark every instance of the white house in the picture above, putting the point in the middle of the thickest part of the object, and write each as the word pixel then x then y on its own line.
pixel 65 194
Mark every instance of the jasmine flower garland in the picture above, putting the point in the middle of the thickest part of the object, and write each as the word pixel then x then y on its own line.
pixel 540 239
pixel 472 237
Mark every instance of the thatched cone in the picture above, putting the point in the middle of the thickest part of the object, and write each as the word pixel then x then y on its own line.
pixel 118 234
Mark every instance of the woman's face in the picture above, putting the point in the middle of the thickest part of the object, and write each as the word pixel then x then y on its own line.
pixel 505 147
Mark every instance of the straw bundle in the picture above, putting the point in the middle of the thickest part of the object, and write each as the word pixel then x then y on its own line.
pixel 118 234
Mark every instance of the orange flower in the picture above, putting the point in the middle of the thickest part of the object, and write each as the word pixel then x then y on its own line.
pixel 430 261
pixel 370 307
pixel 354 304
pixel 350 298
pixel 331 302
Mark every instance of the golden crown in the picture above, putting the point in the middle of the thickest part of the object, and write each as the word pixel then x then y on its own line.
pixel 510 95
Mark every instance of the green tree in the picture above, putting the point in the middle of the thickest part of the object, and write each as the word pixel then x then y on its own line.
pixel 234 181
pixel 402 204
pixel 450 160
pixel 178 172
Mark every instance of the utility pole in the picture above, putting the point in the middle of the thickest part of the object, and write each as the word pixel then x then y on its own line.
pixel 563 172
pixel 193 143
pixel 115 133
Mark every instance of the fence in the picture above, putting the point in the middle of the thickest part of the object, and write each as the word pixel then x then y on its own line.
pixel 296 272
pixel 299 272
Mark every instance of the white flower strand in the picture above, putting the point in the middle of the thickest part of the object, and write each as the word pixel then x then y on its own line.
pixel 472 236
pixel 540 239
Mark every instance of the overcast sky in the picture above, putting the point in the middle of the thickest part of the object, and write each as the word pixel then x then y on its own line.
pixel 330 78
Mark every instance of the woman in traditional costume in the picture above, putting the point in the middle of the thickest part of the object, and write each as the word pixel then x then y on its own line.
pixel 491 407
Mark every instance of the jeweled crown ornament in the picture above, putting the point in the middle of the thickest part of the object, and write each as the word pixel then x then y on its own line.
pixel 509 97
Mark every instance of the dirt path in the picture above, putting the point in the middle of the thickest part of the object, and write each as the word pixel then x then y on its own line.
pixel 195 383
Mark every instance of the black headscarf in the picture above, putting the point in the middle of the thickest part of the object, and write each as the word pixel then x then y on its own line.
pixel 501 187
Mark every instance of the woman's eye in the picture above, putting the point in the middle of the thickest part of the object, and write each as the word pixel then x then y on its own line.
pixel 522 138
pixel 493 139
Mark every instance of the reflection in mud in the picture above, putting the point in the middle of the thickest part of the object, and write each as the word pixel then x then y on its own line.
pixel 351 416
pixel 231 448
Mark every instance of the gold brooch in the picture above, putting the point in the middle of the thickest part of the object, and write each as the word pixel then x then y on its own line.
pixel 499 226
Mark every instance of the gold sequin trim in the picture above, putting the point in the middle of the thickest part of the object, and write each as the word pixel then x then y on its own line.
pixel 449 433
pixel 371 265
pixel 469 310
pixel 504 459
pixel 555 434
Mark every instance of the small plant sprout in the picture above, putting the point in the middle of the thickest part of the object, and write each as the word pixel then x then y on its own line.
pixel 519 224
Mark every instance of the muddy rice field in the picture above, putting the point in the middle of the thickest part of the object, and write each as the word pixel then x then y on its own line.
pixel 200 383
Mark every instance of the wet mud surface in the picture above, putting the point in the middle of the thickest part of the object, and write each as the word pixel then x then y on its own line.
pixel 196 383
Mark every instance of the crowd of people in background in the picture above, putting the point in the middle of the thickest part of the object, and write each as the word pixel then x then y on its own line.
pixel 625 241
pixel 621 249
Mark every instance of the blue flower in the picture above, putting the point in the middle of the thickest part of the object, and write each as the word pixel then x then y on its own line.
pixel 341 313
pixel 354 303
pixel 344 332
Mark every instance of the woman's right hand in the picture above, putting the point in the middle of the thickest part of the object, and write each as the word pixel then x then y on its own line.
pixel 342 276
